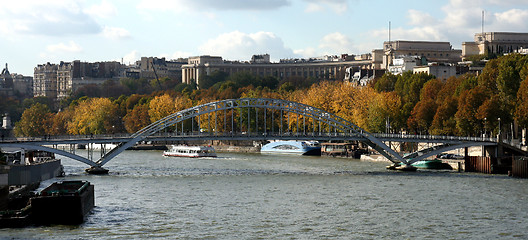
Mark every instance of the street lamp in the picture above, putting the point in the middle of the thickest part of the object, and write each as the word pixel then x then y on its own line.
pixel 499 126
pixel 485 130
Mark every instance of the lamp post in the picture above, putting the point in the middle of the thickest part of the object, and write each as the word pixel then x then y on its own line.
pixel 499 126
pixel 485 132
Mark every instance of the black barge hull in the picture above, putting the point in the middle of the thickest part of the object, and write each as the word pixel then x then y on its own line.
pixel 67 203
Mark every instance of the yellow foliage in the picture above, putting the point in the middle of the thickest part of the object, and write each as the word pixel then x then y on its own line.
pixel 160 107
pixel 92 116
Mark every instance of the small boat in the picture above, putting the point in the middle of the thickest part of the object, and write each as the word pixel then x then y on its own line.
pixel 293 147
pixel 190 151
pixel 432 164
pixel 348 150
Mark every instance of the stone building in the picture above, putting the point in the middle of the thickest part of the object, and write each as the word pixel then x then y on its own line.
pixel 22 85
pixel 153 67
pixel 440 71
pixel 441 52
pixel 495 43
pixel 45 80
pixel 59 80
pixel 260 66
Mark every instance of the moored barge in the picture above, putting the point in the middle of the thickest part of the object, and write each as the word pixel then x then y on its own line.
pixel 66 202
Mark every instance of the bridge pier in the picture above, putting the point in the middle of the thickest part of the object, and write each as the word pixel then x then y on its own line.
pixel 97 170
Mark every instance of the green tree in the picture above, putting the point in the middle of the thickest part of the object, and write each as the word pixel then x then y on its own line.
pixel 386 82
pixel 521 111
pixel 207 81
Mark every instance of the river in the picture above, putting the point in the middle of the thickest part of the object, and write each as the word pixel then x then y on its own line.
pixel 252 196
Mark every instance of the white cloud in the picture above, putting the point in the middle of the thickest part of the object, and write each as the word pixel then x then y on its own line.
pixel 71 47
pixel 46 17
pixel 331 44
pixel 116 33
pixel 512 19
pixel 418 18
pixel 103 10
pixel 200 5
pixel 307 52
pixel 335 43
pixel 130 57
pixel 239 46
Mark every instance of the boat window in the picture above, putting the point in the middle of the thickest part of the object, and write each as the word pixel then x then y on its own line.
pixel 286 147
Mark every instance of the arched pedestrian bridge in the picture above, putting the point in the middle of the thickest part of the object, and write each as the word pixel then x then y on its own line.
pixel 249 119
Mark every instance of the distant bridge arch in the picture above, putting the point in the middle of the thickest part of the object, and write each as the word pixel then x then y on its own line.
pixel 236 118
pixel 284 106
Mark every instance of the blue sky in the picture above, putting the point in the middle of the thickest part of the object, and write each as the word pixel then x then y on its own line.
pixel 39 31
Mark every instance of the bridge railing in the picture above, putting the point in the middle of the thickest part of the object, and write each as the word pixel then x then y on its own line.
pixel 197 134
pixel 433 137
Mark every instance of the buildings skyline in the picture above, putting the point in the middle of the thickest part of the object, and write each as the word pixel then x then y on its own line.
pixel 60 80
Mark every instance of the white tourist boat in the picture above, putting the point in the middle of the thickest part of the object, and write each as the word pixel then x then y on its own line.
pixel 190 151
pixel 292 147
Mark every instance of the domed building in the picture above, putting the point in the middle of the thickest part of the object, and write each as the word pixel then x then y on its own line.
pixel 6 83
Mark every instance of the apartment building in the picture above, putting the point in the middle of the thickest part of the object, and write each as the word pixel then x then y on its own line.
pixel 59 80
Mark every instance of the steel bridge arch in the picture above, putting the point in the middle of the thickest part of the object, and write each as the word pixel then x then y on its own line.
pixel 317 114
pixel 52 150
pixel 429 152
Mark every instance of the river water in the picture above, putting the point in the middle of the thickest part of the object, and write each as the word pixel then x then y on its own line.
pixel 252 196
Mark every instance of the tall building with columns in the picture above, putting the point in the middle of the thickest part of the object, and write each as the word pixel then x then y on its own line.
pixel 260 66
pixel 495 43
pixel 441 52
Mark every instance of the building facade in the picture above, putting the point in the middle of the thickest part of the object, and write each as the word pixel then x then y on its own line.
pixel 22 85
pixel 441 52
pixel 60 80
pixel 153 67
pixel 45 80
pixel 260 66
pixel 495 43
pixel 440 71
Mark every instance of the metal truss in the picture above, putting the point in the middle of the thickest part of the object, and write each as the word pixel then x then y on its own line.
pixel 340 127
pixel 318 115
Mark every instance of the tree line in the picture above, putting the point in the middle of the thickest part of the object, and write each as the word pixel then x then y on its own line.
pixel 467 105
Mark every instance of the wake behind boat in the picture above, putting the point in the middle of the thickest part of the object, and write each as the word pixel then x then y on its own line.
pixel 293 147
pixel 190 151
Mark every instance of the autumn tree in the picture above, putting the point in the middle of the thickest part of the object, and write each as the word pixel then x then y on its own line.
pixel 444 121
pixel 60 122
pixel 409 86
pixel 35 121
pixel 137 118
pixel 94 116
pixel 160 107
pixel 424 111
pixel 468 105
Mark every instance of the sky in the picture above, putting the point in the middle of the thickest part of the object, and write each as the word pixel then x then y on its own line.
pixel 39 31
